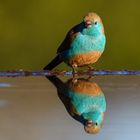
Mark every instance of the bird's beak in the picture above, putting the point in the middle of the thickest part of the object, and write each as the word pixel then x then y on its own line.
pixel 89 123
pixel 88 23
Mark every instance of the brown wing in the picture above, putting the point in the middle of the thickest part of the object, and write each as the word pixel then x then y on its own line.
pixel 70 37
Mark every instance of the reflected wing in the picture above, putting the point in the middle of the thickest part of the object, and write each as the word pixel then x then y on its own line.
pixel 70 36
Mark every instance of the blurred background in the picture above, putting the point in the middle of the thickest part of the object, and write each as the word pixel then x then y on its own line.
pixel 31 31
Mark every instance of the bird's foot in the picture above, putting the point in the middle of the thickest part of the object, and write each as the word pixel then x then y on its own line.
pixel 74 74
pixel 90 77
pixel 74 80
pixel 59 72
pixel 91 68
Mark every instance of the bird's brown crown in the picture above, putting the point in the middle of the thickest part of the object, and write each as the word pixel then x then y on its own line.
pixel 92 17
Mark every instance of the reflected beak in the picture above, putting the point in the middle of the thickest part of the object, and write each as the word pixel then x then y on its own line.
pixel 89 123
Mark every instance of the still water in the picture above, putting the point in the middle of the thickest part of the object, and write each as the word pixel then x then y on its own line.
pixel 34 108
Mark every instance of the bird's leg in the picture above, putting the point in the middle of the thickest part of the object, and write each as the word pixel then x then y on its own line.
pixel 73 70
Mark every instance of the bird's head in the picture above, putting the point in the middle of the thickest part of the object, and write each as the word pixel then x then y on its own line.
pixel 92 128
pixel 93 24
pixel 94 122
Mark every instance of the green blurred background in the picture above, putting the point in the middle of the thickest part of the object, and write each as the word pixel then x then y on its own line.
pixel 31 31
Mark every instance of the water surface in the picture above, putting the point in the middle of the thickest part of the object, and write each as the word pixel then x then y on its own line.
pixel 31 109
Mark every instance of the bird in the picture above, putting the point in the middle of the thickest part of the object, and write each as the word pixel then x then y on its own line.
pixel 83 44
pixel 83 100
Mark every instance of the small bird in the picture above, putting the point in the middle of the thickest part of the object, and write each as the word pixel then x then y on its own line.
pixel 83 44
pixel 84 101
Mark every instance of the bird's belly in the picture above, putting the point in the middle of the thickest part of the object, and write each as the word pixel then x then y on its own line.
pixel 84 59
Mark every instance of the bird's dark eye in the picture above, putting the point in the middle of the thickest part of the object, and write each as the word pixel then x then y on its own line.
pixel 96 123
pixel 95 22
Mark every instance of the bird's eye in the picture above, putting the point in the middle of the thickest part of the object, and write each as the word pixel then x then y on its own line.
pixel 95 22
pixel 96 123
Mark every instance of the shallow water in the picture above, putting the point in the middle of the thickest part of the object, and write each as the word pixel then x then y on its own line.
pixel 31 109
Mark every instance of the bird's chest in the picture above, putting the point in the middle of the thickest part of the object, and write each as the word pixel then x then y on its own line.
pixel 84 50
pixel 85 43
pixel 84 103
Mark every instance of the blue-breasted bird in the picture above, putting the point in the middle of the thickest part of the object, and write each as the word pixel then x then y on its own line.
pixel 84 101
pixel 83 44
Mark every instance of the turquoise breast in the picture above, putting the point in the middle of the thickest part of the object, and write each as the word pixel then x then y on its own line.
pixel 84 44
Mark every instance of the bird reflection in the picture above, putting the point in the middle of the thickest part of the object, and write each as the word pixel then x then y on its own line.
pixel 84 101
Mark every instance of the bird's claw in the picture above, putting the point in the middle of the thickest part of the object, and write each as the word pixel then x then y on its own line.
pixel 91 68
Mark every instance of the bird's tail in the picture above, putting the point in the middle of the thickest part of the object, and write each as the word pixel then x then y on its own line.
pixel 56 61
